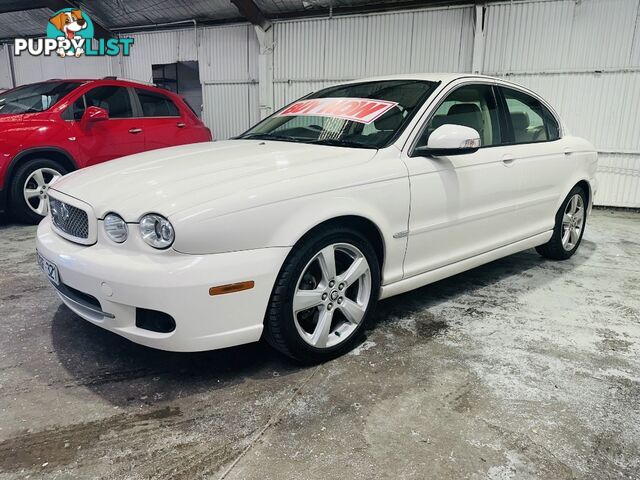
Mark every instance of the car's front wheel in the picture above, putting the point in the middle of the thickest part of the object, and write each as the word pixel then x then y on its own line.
pixel 30 189
pixel 569 228
pixel 323 296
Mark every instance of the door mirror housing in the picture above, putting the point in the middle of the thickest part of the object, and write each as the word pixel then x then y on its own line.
pixel 449 139
pixel 94 114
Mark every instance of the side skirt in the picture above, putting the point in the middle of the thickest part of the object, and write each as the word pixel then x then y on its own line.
pixel 426 278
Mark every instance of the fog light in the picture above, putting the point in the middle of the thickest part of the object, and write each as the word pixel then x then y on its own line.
pixel 154 321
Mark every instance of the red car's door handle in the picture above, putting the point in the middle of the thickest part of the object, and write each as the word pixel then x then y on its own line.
pixel 180 125
pixel 135 130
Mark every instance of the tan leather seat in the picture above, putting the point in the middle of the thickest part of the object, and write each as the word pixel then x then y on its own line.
pixel 520 122
pixel 467 115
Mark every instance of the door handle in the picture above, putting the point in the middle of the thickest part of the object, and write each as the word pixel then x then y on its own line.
pixel 568 151
pixel 180 125
pixel 135 130
pixel 508 160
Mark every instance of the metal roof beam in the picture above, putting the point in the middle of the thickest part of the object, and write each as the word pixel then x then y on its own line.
pixel 249 10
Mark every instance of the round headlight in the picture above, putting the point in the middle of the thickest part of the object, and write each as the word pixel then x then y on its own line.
pixel 156 230
pixel 115 227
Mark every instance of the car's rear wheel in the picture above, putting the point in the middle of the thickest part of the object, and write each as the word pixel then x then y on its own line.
pixel 30 189
pixel 569 228
pixel 323 296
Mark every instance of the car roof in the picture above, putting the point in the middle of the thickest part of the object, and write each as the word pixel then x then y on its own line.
pixel 109 80
pixel 430 77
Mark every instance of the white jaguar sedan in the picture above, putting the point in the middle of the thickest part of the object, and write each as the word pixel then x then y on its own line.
pixel 293 230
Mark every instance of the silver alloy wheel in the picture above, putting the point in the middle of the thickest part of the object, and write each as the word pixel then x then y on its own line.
pixel 332 295
pixel 36 189
pixel 572 222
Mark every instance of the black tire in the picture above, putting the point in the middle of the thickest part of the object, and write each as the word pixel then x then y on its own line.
pixel 17 203
pixel 554 249
pixel 280 328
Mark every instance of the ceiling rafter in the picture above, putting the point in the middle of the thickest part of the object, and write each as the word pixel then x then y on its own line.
pixel 8 6
pixel 249 10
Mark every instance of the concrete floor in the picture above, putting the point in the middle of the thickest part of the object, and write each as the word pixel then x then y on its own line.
pixel 523 368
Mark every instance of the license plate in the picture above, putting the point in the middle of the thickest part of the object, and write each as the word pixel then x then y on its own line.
pixel 49 269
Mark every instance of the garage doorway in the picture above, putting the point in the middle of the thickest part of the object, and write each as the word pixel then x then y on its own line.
pixel 182 78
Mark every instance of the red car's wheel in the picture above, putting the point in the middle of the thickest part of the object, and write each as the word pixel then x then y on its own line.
pixel 30 189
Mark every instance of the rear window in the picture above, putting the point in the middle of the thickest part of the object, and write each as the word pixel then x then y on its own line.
pixel 156 105
pixel 36 97
pixel 531 121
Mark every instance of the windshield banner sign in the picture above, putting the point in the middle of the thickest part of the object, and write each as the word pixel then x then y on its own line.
pixel 361 110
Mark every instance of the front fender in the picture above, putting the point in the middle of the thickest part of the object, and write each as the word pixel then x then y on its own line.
pixel 281 224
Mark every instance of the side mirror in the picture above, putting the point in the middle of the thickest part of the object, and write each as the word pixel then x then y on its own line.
pixel 94 114
pixel 449 139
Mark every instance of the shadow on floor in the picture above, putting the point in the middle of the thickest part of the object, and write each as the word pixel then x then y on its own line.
pixel 123 372
pixel 468 282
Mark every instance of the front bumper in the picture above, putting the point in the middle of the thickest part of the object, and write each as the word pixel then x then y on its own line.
pixel 125 277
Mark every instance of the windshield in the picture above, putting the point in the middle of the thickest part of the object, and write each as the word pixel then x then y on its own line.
pixel 37 97
pixel 362 115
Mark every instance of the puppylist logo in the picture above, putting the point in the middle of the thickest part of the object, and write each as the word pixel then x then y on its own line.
pixel 70 33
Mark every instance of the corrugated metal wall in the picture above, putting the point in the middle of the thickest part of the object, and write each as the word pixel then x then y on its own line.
pixel 227 59
pixel 157 48
pixel 5 68
pixel 584 57
pixel 311 54
pixel 30 69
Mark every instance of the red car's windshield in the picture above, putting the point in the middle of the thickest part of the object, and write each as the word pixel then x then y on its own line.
pixel 36 97
pixel 363 115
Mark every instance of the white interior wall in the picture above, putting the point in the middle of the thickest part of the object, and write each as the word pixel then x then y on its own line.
pixel 29 69
pixel 311 54
pixel 227 60
pixel 583 56
pixel 5 68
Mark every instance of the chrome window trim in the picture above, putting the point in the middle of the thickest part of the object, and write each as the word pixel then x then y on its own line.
pixel 434 103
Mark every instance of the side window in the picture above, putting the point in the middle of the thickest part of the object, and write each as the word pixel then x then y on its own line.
pixel 75 110
pixel 530 120
pixel 471 106
pixel 156 105
pixel 114 100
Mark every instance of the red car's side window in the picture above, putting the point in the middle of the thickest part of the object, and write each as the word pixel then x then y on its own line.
pixel 156 105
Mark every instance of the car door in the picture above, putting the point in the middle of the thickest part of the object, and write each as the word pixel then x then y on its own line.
pixel 120 135
pixel 533 133
pixel 461 205
pixel 163 123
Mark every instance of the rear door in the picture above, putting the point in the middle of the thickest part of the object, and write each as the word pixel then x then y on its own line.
pixel 533 135
pixel 118 136
pixel 461 205
pixel 163 122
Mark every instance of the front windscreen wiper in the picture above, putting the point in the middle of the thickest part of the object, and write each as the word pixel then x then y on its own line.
pixel 341 143
pixel 268 136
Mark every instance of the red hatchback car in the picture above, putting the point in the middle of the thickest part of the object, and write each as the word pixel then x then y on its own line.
pixel 50 128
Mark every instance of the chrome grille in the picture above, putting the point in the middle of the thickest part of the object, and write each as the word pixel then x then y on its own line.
pixel 69 219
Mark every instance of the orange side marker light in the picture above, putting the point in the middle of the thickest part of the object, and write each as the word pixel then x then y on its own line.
pixel 231 288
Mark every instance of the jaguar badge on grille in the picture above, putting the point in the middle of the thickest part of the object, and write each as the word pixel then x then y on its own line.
pixel 59 212
pixel 68 219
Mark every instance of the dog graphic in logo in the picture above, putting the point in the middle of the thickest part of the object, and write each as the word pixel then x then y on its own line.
pixel 69 24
